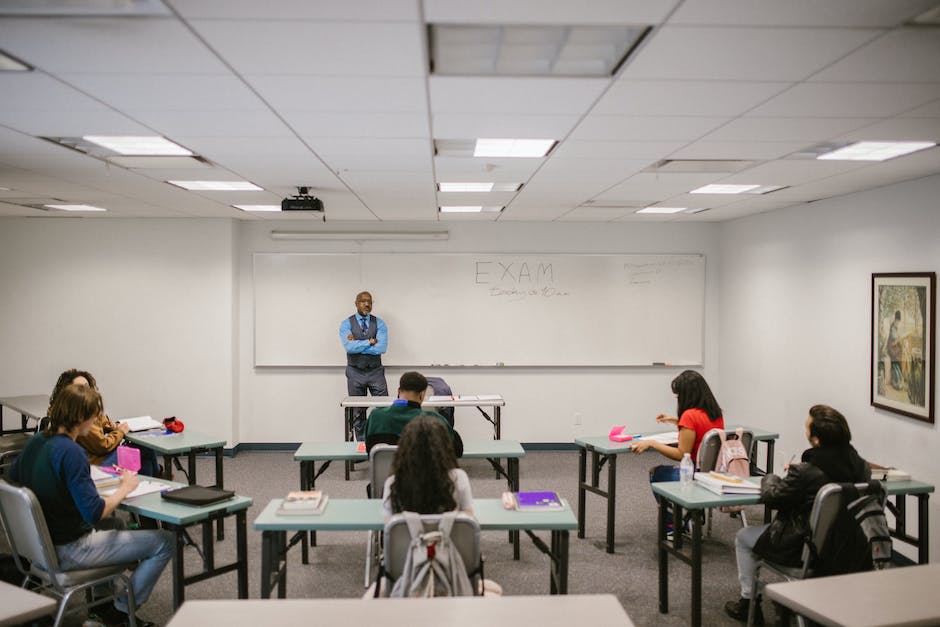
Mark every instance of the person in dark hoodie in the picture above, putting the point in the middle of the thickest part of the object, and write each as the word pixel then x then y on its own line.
pixel 831 458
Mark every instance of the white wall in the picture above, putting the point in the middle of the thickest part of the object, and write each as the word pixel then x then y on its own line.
pixel 145 305
pixel 795 317
pixel 295 404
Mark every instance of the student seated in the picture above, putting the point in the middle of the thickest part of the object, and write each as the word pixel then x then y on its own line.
pixel 55 468
pixel 385 424
pixel 830 458
pixel 425 477
pixel 102 440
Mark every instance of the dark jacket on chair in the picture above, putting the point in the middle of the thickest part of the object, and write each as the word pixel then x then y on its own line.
pixel 793 495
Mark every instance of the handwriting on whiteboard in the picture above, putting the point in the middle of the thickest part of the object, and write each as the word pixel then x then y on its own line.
pixel 518 280
pixel 645 273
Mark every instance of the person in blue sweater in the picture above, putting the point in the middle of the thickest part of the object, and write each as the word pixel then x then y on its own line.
pixel 56 469
pixel 365 340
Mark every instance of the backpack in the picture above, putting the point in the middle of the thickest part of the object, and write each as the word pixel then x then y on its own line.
pixel 440 388
pixel 869 512
pixel 733 460
pixel 433 566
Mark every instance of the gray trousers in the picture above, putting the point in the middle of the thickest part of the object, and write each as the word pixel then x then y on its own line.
pixel 358 382
pixel 744 543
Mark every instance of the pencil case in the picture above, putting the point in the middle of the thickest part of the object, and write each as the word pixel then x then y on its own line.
pixel 617 434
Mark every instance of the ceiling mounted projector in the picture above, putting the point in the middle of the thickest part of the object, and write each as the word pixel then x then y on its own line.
pixel 303 201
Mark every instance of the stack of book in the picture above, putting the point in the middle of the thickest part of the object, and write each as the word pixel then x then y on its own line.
pixel 890 474
pixel 303 503
pixel 104 479
pixel 721 483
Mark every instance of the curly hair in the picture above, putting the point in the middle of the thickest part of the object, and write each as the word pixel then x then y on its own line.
pixel 74 404
pixel 422 468
pixel 65 379
pixel 694 393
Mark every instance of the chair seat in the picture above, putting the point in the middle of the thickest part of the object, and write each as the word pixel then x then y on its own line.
pixel 80 576
pixel 789 572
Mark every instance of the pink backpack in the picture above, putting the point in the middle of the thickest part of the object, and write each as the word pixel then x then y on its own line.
pixel 733 460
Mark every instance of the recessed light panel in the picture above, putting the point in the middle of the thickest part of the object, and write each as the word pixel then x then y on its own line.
pixel 465 187
pixel 469 209
pixel 258 207
pixel 661 210
pixel 217 186
pixel 724 189
pixel 523 148
pixel 139 145
pixel 875 151
pixel 75 207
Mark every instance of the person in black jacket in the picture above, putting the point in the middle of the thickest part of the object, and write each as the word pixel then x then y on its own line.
pixel 831 458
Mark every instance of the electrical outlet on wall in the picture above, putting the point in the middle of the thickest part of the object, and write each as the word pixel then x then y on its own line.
pixel 577 418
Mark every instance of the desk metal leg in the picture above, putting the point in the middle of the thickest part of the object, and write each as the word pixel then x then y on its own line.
pixel 208 546
pixel 558 579
pixel 696 566
pixel 191 465
pixel 611 500
pixel 177 567
pixel 923 529
pixel 219 483
pixel 267 557
pixel 582 493
pixel 499 422
pixel 348 434
pixel 663 557
pixel 241 542
pixel 512 466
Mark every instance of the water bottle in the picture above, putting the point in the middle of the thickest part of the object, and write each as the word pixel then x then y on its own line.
pixel 686 469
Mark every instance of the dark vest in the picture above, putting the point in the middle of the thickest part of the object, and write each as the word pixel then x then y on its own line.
pixel 360 360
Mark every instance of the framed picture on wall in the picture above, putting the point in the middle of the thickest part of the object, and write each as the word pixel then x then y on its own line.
pixel 903 349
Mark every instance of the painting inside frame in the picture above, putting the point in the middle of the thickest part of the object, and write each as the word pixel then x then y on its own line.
pixel 903 346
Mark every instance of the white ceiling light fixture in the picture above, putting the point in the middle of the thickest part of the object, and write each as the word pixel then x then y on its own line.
pixel 875 151
pixel 361 235
pixel 464 187
pixel 217 186
pixel 74 207
pixel 716 188
pixel 258 207
pixel 469 209
pixel 661 210
pixel 138 145
pixel 515 148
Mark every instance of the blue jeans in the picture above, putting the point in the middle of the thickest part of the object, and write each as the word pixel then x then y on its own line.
pixel 153 549
pixel 664 473
pixel 744 543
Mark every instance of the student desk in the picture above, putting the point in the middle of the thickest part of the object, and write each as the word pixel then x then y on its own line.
pixel 603 451
pixel 19 606
pixel 602 610
pixel 177 517
pixel 29 406
pixel 367 515
pixel 880 598
pixel 699 498
pixel 486 400
pixel 173 445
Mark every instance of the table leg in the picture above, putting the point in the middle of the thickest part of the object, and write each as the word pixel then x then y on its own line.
pixel 696 565
pixel 208 546
pixel 348 434
pixel 267 551
pixel 219 483
pixel 611 500
pixel 168 467
pixel 177 566
pixel 558 583
pixel 512 466
pixel 582 498
pixel 281 550
pixel 241 542
pixel 923 529
pixel 663 557
pixel 191 456
pixel 499 422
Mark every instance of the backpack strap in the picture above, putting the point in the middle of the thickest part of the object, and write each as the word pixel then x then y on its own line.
pixel 722 436
pixel 740 433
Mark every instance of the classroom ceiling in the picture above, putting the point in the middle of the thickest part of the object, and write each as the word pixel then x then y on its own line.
pixel 337 95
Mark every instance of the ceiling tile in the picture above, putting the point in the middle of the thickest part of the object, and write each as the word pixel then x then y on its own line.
pixel 547 11
pixel 908 55
pixel 838 13
pixel 636 128
pixel 343 94
pixel 685 98
pixel 467 126
pixel 848 100
pixel 534 96
pixel 323 10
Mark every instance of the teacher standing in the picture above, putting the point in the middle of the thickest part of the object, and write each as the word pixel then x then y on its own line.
pixel 365 339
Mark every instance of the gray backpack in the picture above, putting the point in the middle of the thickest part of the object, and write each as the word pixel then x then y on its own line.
pixel 433 566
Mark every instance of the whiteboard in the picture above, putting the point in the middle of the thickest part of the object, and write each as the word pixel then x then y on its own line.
pixel 484 309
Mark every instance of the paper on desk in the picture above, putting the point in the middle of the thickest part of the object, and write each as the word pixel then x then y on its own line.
pixel 144 487
pixel 489 397
pixel 670 437
pixel 437 399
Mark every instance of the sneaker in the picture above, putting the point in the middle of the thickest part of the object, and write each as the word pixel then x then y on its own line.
pixel 110 616
pixel 738 610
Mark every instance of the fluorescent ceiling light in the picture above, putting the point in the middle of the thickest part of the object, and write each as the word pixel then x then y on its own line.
pixel 217 186
pixel 724 189
pixel 875 151
pixel 75 207
pixel 527 148
pixel 258 207
pixel 139 145
pixel 661 210
pixel 12 64
pixel 469 209
pixel 465 187
pixel 359 235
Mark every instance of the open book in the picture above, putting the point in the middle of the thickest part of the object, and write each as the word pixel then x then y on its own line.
pixel 140 423
pixel 720 483
pixel 304 503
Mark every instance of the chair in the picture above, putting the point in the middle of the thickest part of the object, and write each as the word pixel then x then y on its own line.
pixel 380 466
pixel 826 508
pixel 707 460
pixel 29 538
pixel 10 447
pixel 465 535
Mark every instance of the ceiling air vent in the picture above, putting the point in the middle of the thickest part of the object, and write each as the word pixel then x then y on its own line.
pixel 711 166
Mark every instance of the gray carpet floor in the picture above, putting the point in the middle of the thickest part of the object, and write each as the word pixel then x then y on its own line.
pixel 337 564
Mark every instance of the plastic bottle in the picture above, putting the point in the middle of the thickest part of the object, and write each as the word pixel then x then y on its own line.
pixel 686 469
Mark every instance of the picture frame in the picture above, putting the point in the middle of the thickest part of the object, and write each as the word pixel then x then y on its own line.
pixel 903 347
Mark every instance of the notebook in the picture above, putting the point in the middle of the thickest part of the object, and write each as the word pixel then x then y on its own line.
pixel 198 495
pixel 140 423
pixel 537 501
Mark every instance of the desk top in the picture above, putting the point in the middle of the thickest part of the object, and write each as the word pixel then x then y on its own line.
pixel 21 606
pixel 31 405
pixel 883 598
pixel 367 514
pixel 601 610
pixel 341 451
pixel 174 443
pixel 602 443
pixel 482 400
pixel 154 506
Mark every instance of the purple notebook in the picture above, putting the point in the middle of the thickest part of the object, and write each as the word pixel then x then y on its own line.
pixel 537 500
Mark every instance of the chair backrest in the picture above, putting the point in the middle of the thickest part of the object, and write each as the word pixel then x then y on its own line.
pixel 465 535
pixel 380 466
pixel 26 529
pixel 822 518
pixel 710 447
